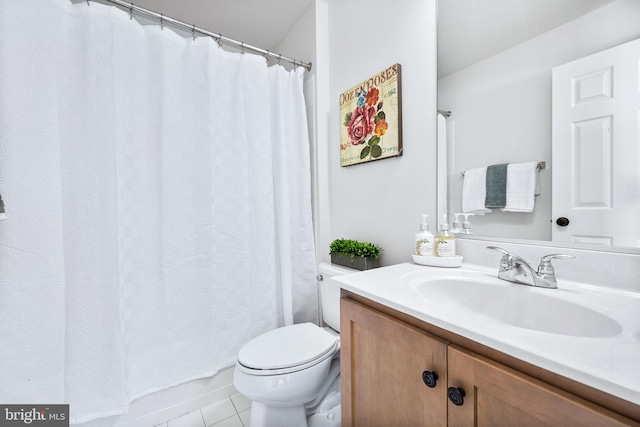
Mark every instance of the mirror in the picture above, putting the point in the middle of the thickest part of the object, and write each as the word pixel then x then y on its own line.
pixel 495 61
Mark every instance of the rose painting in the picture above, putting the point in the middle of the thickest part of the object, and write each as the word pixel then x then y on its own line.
pixel 370 126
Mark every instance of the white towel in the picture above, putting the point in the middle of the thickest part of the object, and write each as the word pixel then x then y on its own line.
pixel 521 187
pixel 474 191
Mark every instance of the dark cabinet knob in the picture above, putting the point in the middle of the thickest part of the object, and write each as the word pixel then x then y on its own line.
pixel 430 378
pixel 456 395
pixel 562 221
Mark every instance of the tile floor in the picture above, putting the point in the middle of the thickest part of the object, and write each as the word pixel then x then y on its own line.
pixel 232 411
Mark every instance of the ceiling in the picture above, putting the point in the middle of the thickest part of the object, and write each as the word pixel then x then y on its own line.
pixel 472 30
pixel 261 23
pixel 468 30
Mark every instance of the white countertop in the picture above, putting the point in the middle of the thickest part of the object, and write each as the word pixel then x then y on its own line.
pixel 610 364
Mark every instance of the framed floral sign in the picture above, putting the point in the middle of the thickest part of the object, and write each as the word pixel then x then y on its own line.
pixel 370 115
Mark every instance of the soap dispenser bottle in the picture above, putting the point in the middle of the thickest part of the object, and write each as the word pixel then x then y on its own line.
pixel 466 225
pixel 455 225
pixel 424 239
pixel 445 242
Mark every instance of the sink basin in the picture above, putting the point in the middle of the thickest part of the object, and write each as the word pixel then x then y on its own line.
pixel 516 305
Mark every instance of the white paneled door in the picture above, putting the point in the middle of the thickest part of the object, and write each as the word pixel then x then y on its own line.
pixel 595 154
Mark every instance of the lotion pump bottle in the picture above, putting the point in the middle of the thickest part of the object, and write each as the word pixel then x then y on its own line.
pixel 424 239
pixel 444 242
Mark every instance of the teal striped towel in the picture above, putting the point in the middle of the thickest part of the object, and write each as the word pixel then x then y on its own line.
pixel 496 186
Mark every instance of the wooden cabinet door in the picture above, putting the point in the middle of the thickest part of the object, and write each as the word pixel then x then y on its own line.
pixel 498 396
pixel 382 362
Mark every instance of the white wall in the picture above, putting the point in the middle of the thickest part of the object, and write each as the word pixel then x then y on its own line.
pixel 381 201
pixel 502 108
pixel 322 69
pixel 300 43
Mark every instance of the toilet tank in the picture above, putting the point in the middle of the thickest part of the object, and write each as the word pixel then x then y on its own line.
pixel 330 292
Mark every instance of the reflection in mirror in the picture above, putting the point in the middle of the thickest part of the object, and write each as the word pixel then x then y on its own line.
pixel 495 66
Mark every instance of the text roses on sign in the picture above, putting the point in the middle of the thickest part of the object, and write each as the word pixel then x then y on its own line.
pixel 375 81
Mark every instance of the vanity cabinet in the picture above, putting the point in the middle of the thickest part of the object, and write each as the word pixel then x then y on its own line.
pixel 386 361
pixel 499 396
pixel 382 362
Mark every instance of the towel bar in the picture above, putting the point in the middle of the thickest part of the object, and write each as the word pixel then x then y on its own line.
pixel 539 167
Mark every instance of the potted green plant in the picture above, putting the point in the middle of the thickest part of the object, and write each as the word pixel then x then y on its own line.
pixel 354 254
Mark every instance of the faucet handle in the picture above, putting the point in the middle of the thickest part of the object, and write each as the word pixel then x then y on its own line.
pixel 507 260
pixel 545 269
pixel 495 248
pixel 552 256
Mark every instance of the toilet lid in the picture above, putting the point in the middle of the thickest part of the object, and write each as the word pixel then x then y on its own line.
pixel 287 347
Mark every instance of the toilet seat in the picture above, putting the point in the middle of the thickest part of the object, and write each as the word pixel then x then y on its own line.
pixel 287 349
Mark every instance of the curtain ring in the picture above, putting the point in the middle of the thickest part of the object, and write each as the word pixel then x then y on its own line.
pixel 162 21
pixel 242 47
pixel 131 11
pixel 193 32
pixel 88 2
pixel 220 40
pixel 279 58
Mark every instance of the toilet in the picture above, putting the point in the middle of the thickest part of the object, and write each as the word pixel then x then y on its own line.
pixel 292 374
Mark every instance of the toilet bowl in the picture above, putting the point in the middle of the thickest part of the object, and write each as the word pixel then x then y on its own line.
pixel 292 374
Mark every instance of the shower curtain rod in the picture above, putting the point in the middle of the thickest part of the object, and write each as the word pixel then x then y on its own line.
pixel 218 37
pixel 444 113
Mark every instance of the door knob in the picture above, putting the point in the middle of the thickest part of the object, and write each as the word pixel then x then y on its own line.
pixel 429 378
pixel 562 221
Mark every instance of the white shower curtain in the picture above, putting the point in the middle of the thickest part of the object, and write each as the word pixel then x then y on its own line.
pixel 157 192
pixel 443 172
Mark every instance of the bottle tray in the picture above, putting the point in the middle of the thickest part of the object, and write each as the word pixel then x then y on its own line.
pixel 434 261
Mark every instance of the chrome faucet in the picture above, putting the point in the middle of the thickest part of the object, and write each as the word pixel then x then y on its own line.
pixel 515 269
